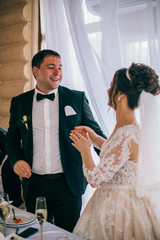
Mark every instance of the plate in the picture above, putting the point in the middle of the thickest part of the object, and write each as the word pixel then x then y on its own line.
pixel 25 216
pixel 14 235
pixel 51 235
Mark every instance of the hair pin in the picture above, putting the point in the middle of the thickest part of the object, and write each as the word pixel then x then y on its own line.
pixel 128 75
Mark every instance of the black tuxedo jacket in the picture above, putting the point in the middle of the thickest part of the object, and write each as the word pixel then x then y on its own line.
pixel 2 144
pixel 19 139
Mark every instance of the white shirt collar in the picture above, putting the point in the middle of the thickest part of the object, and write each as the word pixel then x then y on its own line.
pixel 53 91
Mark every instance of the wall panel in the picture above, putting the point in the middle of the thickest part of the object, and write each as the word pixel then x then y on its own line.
pixel 16 40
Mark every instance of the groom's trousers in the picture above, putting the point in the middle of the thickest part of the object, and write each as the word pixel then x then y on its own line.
pixel 63 208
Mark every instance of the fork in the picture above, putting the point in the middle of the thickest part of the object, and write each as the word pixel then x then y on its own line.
pixel 14 217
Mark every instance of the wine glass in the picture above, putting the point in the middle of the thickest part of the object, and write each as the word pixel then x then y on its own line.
pixel 4 209
pixel 41 212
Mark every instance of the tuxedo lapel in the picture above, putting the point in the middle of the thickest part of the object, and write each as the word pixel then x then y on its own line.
pixel 28 102
pixel 68 110
pixel 62 97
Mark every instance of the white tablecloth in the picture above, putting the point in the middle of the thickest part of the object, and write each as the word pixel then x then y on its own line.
pixel 50 230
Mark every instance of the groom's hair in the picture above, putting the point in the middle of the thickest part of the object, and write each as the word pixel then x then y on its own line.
pixel 39 57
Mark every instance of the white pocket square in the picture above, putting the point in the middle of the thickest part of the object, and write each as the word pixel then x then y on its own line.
pixel 69 111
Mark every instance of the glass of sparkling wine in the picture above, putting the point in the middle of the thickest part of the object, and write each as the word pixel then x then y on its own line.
pixel 4 209
pixel 41 212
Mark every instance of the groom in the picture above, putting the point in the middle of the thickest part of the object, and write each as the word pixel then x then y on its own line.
pixel 38 144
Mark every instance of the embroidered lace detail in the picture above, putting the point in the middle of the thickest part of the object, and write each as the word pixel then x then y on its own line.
pixel 114 166
pixel 115 211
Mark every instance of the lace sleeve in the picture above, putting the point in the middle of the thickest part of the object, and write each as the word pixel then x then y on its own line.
pixel 114 154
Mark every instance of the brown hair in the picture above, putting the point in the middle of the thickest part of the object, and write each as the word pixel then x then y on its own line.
pixel 140 77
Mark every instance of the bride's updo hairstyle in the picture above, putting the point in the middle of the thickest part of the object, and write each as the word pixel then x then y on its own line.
pixel 132 82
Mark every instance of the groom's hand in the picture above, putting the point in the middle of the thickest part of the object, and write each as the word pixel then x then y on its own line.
pixel 22 169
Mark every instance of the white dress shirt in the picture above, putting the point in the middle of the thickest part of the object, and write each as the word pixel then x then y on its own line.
pixel 45 122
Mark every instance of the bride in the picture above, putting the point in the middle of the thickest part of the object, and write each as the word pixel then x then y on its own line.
pixel 126 203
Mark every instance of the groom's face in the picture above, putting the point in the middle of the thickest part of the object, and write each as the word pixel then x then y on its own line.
pixel 49 76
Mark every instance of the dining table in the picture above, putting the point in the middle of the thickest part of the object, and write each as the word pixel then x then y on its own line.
pixel 50 231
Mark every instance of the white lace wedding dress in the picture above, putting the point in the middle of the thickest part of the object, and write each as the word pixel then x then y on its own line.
pixel 115 212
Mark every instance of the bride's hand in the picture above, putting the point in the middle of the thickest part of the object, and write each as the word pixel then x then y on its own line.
pixel 81 142
pixel 83 130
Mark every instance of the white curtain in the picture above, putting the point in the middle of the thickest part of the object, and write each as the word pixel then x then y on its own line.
pixel 128 31
pixel 56 36
pixel 140 33
pixel 111 47
pixel 91 73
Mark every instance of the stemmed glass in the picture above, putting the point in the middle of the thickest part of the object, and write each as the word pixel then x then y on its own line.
pixel 4 209
pixel 41 212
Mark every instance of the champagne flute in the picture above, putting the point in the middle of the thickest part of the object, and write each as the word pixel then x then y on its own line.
pixel 41 212
pixel 4 209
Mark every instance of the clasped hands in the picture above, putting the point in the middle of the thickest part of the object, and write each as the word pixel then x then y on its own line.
pixel 82 138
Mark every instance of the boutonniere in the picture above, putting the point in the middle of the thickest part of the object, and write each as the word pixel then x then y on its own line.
pixel 25 120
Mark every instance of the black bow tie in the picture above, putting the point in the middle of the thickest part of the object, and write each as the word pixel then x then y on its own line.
pixel 42 96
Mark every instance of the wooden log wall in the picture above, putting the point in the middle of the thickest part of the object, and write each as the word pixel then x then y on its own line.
pixel 15 52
